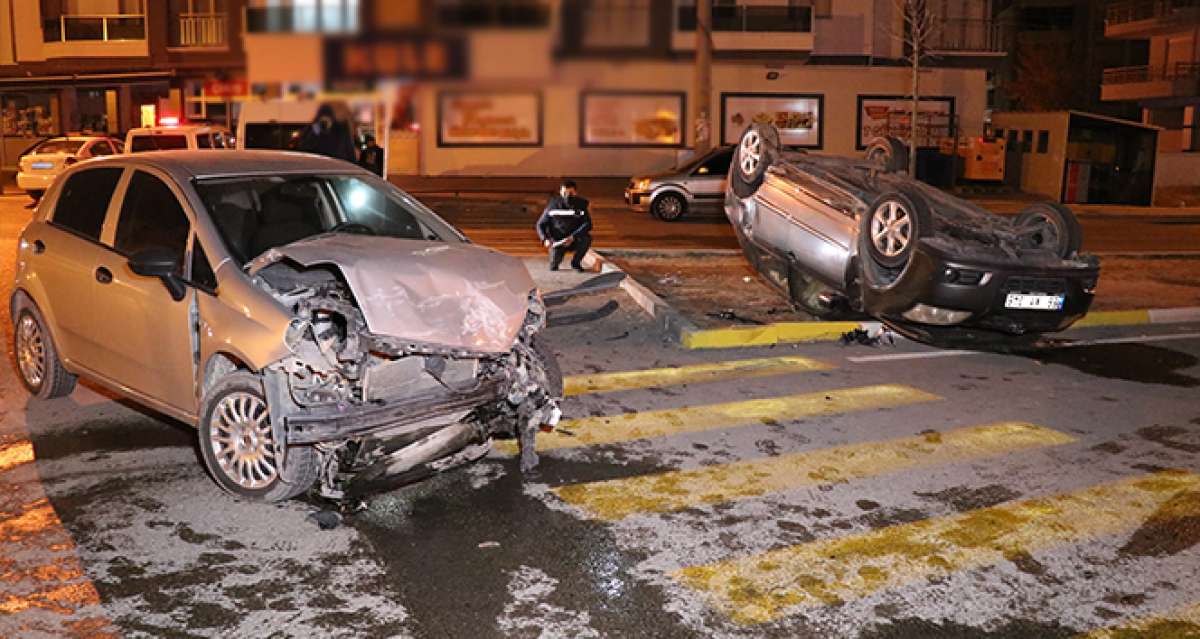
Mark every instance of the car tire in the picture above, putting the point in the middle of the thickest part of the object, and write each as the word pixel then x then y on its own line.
pixel 756 151
pixel 246 465
pixel 1050 225
pixel 36 196
pixel 888 234
pixel 549 362
pixel 669 207
pixel 41 371
pixel 889 154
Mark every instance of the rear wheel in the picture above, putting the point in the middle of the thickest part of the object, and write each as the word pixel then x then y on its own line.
pixel 239 446
pixel 668 207
pixel 755 153
pixel 889 154
pixel 888 235
pixel 1052 226
pixel 41 371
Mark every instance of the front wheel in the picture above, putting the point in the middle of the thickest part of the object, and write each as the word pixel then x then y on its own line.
pixel 669 207
pixel 1052 226
pixel 239 446
pixel 888 235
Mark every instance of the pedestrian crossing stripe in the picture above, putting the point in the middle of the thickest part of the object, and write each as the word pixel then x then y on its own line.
pixel 676 490
pixel 595 431
pixel 1177 623
pixel 767 586
pixel 695 373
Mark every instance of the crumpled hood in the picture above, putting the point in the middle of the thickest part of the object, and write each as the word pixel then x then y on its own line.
pixel 455 295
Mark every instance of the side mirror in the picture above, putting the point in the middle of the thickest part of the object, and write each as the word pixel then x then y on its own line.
pixel 160 263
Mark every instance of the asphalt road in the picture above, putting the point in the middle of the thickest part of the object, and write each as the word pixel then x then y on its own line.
pixel 801 491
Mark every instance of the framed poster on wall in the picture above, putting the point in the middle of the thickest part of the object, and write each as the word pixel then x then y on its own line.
pixel 483 118
pixel 798 116
pixel 632 119
pixel 890 115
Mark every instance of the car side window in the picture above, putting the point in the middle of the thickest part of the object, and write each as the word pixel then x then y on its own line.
pixel 84 201
pixel 716 165
pixel 204 141
pixel 202 271
pixel 101 148
pixel 151 217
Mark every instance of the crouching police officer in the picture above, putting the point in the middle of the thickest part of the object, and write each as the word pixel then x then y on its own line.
pixel 565 225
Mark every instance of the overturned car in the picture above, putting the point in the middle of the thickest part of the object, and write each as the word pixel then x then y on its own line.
pixel 842 236
pixel 316 324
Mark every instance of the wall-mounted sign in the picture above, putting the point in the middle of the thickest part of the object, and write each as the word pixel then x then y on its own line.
pixel 622 118
pixel 400 55
pixel 798 116
pixel 891 115
pixel 478 118
pixel 226 88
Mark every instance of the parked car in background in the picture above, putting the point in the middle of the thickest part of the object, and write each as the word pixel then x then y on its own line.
pixel 177 137
pixel 39 166
pixel 669 195
pixel 316 324
pixel 842 235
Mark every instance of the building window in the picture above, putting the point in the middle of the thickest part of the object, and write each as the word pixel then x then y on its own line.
pixel 745 16
pixel 1043 142
pixel 1027 141
pixel 93 20
pixel 198 23
pixel 616 24
pixel 507 14
pixel 303 16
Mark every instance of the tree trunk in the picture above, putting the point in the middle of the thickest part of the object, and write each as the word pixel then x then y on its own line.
pixel 702 90
pixel 916 108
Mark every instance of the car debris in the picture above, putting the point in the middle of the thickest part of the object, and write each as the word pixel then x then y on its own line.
pixel 840 236
pixel 863 337
pixel 730 316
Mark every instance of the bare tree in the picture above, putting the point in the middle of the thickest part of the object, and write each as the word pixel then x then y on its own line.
pixel 920 27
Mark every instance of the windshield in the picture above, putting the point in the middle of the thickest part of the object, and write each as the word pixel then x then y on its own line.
pixel 693 163
pixel 275 135
pixel 255 214
pixel 59 146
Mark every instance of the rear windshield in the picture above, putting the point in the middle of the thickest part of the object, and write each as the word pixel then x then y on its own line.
pixel 59 146
pixel 158 142
pixel 275 135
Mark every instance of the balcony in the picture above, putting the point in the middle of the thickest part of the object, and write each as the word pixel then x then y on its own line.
pixel 1147 83
pixel 748 28
pixel 200 30
pixel 1141 19
pixel 490 14
pixel 967 36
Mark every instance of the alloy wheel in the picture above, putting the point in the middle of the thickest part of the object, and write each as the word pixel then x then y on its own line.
pixel 242 441
pixel 891 229
pixel 31 351
pixel 751 153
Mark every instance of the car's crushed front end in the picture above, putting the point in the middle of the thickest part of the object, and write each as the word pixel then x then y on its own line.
pixel 407 357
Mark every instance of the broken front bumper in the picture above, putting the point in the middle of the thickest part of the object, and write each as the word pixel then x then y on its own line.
pixel 314 425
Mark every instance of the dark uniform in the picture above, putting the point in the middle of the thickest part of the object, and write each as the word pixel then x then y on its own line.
pixel 563 218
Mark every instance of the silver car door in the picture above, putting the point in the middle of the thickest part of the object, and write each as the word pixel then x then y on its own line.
pixel 145 334
pixel 707 181
pixel 800 226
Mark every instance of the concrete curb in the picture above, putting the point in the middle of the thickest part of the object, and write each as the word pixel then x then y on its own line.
pixel 688 335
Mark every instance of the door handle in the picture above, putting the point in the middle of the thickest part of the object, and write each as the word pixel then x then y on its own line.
pixel 103 275
pixel 39 247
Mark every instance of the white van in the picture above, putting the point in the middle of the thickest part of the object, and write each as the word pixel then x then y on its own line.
pixel 174 137
pixel 275 124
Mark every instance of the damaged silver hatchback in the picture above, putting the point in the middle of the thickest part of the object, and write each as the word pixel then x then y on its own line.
pixel 316 324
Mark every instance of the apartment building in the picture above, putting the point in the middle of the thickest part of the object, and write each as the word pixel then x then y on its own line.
pixel 104 65
pixel 604 87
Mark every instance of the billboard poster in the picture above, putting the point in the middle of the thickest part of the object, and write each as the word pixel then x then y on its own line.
pixel 490 119
pixel 891 115
pixel 798 116
pixel 631 119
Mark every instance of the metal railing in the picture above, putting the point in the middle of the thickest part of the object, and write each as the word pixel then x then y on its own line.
pixel 1128 11
pixel 970 35
pixel 201 30
pixel 1130 75
pixel 750 18
pixel 94 27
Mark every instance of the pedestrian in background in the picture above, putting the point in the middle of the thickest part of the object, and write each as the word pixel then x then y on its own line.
pixel 566 225
pixel 328 136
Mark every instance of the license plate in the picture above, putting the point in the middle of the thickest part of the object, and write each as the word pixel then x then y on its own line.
pixel 42 165
pixel 1034 301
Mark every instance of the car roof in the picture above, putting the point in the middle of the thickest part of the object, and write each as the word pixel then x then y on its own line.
pixel 182 128
pixel 184 165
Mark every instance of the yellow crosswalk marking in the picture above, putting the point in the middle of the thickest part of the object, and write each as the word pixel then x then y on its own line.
pixel 626 380
pixel 676 490
pixel 767 586
pixel 592 431
pixel 1177 623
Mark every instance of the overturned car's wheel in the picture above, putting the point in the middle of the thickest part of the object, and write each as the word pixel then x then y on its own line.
pixel 668 207
pixel 240 449
pixel 1050 225
pixel 888 235
pixel 889 154
pixel 756 152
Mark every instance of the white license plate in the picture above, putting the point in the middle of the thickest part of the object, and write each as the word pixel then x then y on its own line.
pixel 1034 301
pixel 41 166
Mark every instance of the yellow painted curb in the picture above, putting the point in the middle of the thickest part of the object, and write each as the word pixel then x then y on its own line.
pixel 1115 318
pixel 765 335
